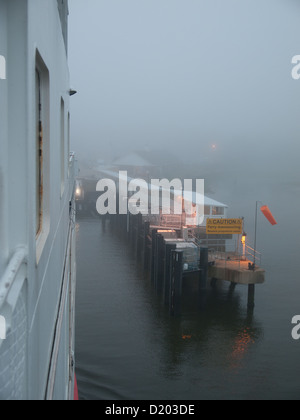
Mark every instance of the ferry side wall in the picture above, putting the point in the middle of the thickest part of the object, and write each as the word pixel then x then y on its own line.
pixel 31 29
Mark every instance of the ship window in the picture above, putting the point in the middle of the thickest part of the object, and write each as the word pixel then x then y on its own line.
pixel 62 144
pixel 39 153
pixel 218 211
pixel 42 155
pixel 207 210
pixel 69 141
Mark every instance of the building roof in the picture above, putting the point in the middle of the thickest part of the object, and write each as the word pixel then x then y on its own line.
pixel 132 159
pixel 197 198
pixel 147 158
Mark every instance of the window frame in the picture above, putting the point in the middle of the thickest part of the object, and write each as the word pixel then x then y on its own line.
pixel 42 158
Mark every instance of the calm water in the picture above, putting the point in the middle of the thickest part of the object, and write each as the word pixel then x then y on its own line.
pixel 128 347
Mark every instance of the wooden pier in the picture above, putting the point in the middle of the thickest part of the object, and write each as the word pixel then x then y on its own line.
pixel 236 272
pixel 161 258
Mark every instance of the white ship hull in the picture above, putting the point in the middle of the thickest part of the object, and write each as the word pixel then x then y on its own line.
pixel 37 211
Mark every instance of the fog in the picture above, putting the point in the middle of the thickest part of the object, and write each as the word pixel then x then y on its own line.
pixel 208 81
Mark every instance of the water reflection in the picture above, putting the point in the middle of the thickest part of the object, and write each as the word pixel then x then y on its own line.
pixel 241 346
pixel 129 347
pixel 219 332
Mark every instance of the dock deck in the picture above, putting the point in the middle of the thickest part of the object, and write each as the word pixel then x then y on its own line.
pixel 236 272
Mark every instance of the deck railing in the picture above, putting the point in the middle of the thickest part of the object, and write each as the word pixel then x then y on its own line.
pixel 11 273
pixel 13 345
pixel 229 256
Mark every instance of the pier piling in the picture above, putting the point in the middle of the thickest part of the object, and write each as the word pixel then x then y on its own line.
pixel 251 296
pixel 145 245
pixel 176 282
pixel 167 272
pixel 165 263
pixel 159 263
pixel 203 267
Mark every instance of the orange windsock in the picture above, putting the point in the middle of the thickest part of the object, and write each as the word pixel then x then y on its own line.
pixel 267 213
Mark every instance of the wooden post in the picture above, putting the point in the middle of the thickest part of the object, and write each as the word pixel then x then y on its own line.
pixel 124 225
pixel 160 256
pixel 154 233
pixel 213 282
pixel 167 272
pixel 146 230
pixel 137 242
pixel 232 287
pixel 176 282
pixel 140 231
pixel 251 295
pixel 203 267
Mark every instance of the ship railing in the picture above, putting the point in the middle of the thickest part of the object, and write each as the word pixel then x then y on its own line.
pixel 253 255
pixel 250 255
pixel 195 239
pixel 13 328
pixel 65 311
pixel 72 173
pixel 224 256
pixel 11 273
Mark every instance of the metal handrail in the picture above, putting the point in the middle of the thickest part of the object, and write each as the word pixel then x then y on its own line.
pixel 252 249
pixel 235 256
pixel 257 256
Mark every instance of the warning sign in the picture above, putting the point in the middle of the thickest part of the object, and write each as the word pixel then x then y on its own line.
pixel 224 226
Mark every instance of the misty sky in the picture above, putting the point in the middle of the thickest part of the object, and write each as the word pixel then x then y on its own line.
pixel 185 74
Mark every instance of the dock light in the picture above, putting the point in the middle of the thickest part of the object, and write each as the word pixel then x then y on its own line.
pixel 243 240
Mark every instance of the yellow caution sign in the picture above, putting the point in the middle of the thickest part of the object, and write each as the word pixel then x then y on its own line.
pixel 224 226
